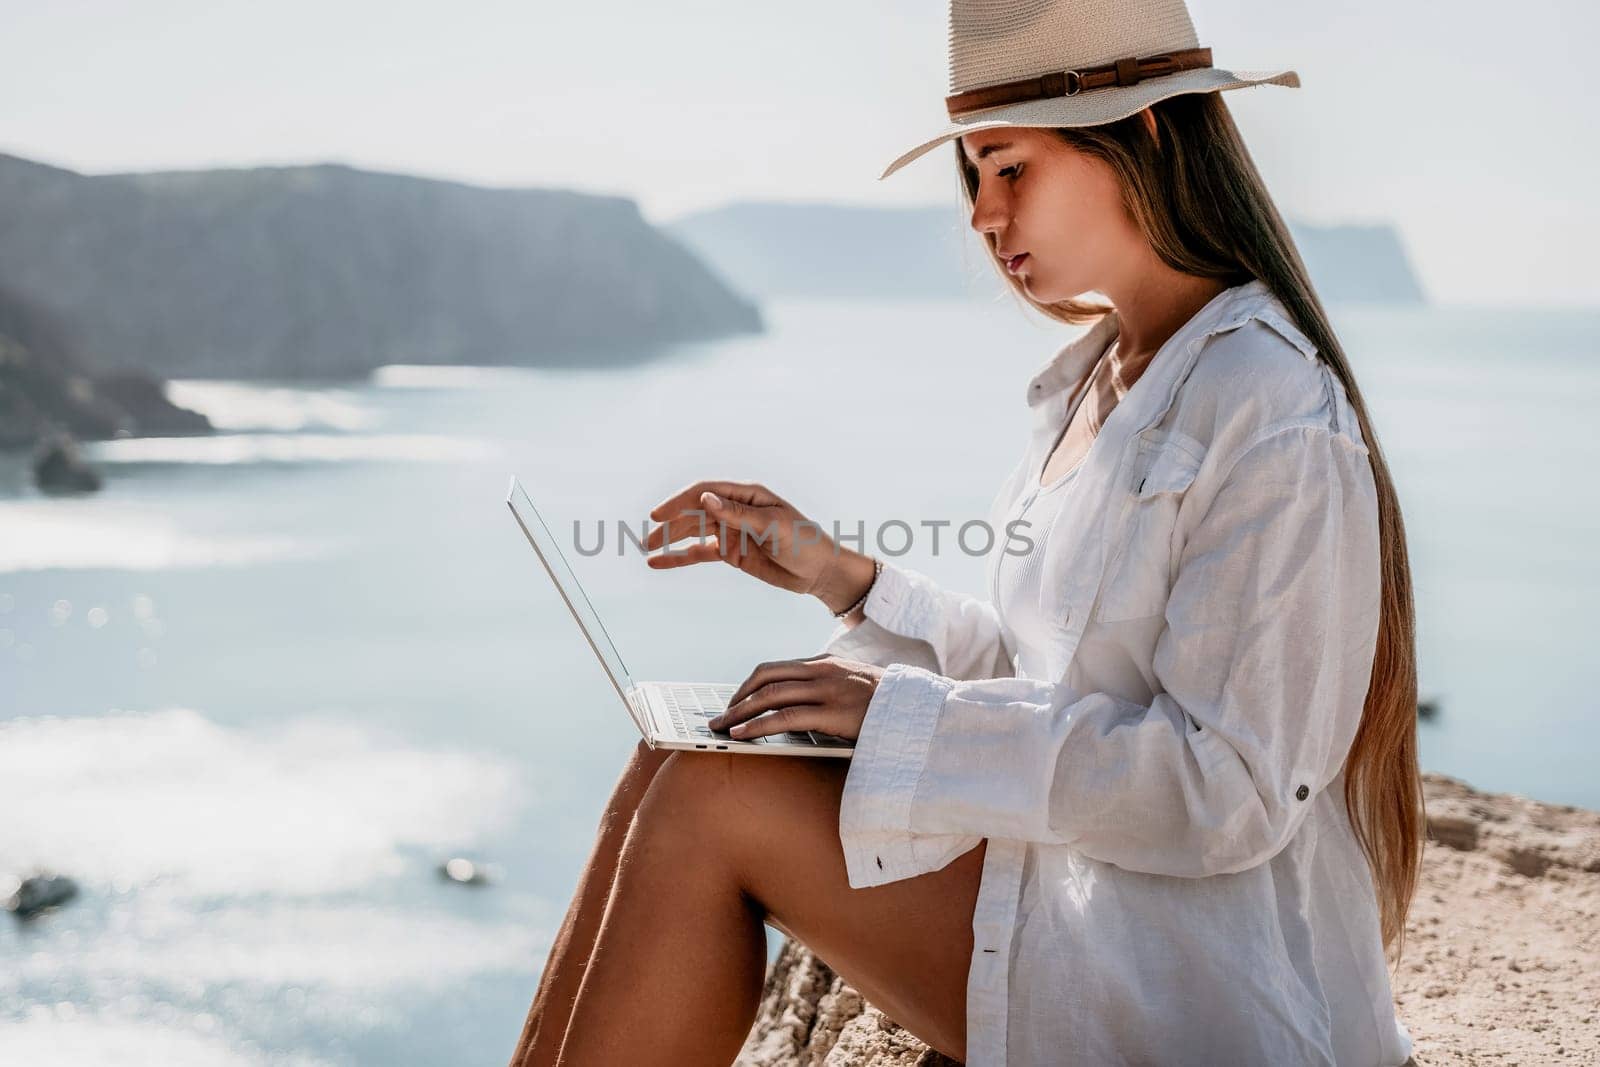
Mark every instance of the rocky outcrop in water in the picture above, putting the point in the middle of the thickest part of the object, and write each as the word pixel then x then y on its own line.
pixel 143 400
pixel 59 467
pixel 1500 960
pixel 29 897
pixel 328 271
pixel 48 395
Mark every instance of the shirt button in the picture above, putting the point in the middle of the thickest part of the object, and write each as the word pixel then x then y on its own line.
pixel 1302 793
pixel 880 858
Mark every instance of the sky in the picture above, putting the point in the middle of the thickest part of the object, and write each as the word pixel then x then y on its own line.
pixel 1468 125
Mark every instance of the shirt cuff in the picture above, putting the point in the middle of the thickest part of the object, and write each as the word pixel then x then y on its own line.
pixel 889 629
pixel 890 754
pixel 902 601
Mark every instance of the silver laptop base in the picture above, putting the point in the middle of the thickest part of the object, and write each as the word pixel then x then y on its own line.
pixel 678 711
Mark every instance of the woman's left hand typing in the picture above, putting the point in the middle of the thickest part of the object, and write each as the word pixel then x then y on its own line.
pixel 823 693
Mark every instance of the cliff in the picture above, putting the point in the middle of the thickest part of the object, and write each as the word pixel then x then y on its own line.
pixel 1500 963
pixel 45 388
pixel 842 251
pixel 329 271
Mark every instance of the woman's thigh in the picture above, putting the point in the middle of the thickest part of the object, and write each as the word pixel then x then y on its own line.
pixel 905 946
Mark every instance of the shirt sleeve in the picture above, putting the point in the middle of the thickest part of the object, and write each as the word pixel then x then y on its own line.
pixel 1264 665
pixel 910 619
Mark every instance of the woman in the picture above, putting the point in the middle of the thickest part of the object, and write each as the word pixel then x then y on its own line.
pixel 1156 800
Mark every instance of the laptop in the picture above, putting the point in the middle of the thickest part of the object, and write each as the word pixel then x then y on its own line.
pixel 668 714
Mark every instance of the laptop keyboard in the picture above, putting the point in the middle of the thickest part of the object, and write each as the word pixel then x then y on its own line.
pixel 691 705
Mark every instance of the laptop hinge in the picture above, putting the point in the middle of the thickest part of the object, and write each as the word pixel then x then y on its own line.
pixel 641 704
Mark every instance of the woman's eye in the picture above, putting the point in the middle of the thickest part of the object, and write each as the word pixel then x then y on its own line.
pixel 1015 169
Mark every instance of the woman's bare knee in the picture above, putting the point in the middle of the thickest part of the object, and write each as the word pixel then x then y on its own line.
pixel 689 778
pixel 644 763
pixel 649 760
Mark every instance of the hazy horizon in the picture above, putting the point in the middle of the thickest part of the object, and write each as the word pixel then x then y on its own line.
pixel 701 104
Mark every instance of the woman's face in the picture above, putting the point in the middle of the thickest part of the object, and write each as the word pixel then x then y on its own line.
pixel 1061 207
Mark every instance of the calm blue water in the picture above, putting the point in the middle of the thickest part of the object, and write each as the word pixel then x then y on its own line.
pixel 256 689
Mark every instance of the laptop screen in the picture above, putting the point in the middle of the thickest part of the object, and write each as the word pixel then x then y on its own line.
pixel 544 543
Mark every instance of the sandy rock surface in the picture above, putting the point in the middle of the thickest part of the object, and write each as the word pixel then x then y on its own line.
pixel 1501 965
pixel 1502 959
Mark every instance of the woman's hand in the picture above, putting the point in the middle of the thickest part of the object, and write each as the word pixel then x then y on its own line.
pixel 752 528
pixel 822 692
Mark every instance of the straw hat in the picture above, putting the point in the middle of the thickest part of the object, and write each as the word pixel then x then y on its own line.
pixel 1073 63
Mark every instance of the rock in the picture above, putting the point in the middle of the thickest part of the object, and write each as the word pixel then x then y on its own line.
pixel 45 390
pixel 32 895
pixel 810 1016
pixel 1524 835
pixel 58 467
pixel 143 399
pixel 1509 887
pixel 465 872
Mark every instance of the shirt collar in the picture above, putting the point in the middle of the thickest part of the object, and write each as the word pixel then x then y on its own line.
pixel 1227 310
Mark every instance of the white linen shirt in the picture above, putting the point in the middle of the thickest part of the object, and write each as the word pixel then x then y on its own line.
pixel 1171 876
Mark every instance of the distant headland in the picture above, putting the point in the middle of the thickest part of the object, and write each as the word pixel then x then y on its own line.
pixel 870 253
pixel 327 271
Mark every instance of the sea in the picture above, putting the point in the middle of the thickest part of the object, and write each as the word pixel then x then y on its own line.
pixel 259 687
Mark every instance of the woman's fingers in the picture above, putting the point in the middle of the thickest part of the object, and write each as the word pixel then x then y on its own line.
pixel 744 525
pixel 816 693
pixel 753 564
pixel 761 524
pixel 709 552
pixel 791 717
pixel 689 497
pixel 753 526
pixel 781 670
pixel 694 524
pixel 770 698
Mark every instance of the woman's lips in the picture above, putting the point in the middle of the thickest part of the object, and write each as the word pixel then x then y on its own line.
pixel 1016 261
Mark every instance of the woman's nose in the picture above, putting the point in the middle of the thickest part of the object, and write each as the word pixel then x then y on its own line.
pixel 987 215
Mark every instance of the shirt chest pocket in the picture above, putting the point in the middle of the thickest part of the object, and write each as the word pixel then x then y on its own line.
pixel 1138 576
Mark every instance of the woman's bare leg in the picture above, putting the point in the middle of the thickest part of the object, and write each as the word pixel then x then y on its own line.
pixel 722 843
pixel 546 1024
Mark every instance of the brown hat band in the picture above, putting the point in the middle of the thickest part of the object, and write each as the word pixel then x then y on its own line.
pixel 1128 71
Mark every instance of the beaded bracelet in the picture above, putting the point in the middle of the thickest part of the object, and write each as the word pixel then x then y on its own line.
pixel 877 569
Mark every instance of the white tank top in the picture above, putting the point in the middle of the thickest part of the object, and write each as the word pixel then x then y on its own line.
pixel 1018 578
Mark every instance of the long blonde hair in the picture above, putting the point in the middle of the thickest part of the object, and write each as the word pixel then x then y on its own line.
pixel 1199 200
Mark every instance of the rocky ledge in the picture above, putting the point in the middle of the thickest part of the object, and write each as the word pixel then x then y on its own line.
pixel 1502 958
